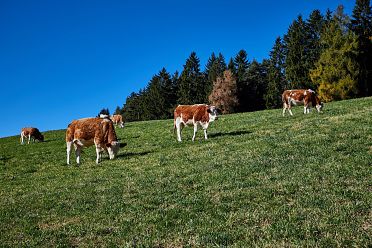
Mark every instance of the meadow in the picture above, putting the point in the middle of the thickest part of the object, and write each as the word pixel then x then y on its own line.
pixel 260 180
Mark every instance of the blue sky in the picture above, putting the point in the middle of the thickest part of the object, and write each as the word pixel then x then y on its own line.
pixel 62 60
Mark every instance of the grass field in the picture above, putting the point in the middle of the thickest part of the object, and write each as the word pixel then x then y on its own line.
pixel 260 180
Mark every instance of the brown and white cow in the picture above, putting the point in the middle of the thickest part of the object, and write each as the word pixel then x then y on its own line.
pixel 31 133
pixel 118 120
pixel 194 115
pixel 92 131
pixel 300 97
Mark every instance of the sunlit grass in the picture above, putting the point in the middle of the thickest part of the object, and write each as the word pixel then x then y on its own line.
pixel 259 180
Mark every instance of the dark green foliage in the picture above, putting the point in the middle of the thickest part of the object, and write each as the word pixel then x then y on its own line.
pixel 276 78
pixel 361 25
pixel 213 69
pixel 296 62
pixel 315 25
pixel 104 111
pixel 241 65
pixel 255 86
pixel 118 111
pixel 192 84
pixel 337 70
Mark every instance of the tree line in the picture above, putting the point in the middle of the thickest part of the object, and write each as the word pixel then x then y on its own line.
pixel 330 53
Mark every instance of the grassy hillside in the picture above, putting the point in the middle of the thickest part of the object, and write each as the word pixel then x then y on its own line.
pixel 260 180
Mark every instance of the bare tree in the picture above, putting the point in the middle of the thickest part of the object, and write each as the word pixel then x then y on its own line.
pixel 224 93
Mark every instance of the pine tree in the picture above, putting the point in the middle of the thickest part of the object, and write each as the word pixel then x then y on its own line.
pixel 315 25
pixel 192 83
pixel 255 86
pixel 276 78
pixel 241 65
pixel 168 89
pixel 215 68
pixel 224 93
pixel 361 25
pixel 337 70
pixel 231 66
pixel 104 111
pixel 296 62
pixel 118 111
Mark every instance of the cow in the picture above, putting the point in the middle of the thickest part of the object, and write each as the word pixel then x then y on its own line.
pixel 118 120
pixel 31 133
pixel 198 114
pixel 92 131
pixel 301 97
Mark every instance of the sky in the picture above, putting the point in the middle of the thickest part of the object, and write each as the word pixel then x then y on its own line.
pixel 62 60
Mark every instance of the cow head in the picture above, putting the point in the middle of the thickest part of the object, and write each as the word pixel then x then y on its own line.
pixel 113 149
pixel 213 113
pixel 40 138
pixel 319 106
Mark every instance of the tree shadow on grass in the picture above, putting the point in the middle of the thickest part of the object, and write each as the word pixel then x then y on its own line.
pixel 232 133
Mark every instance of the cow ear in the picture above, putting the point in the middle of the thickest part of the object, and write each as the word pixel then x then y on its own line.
pixel 108 145
pixel 209 110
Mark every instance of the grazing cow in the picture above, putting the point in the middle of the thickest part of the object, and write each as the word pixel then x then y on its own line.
pixel 198 114
pixel 300 97
pixel 92 131
pixel 31 132
pixel 118 120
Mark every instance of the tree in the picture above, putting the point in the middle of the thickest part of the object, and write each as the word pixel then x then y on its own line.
pixel 241 65
pixel 104 111
pixel 168 89
pixel 192 83
pixel 361 25
pixel 255 86
pixel 224 93
pixel 276 78
pixel 337 70
pixel 215 68
pixel 296 61
pixel 314 28
pixel 118 111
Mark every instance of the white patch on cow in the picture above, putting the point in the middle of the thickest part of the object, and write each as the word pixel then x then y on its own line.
pixel 295 102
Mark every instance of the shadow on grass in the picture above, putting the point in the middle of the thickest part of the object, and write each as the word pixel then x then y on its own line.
pixel 232 133
pixel 133 154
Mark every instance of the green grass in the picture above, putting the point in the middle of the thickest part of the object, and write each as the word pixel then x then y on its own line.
pixel 260 180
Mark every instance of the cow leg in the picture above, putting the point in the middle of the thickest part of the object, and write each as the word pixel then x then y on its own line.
pixel 22 137
pixel 99 154
pixel 305 109
pixel 69 146
pixel 284 108
pixel 195 130
pixel 178 127
pixel 205 133
pixel 77 152
pixel 29 137
pixel 289 110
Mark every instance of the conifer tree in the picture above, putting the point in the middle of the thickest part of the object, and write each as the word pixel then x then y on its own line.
pixel 192 83
pixel 296 62
pixel 231 66
pixel 337 70
pixel 118 111
pixel 315 25
pixel 276 78
pixel 168 89
pixel 224 93
pixel 214 68
pixel 241 65
pixel 255 86
pixel 361 25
